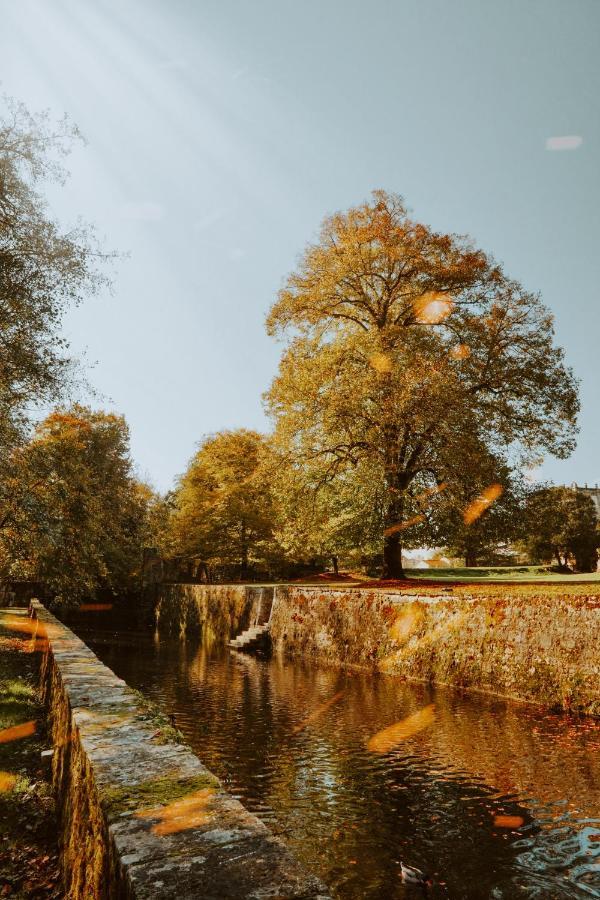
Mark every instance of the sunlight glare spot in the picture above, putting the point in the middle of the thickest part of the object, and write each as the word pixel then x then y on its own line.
pixel 508 821
pixel 17 732
pixel 406 623
pixel 181 815
pixel 400 526
pixel 386 740
pixel 322 708
pixel 433 307
pixel 381 362
pixel 7 782
pixel 475 509
pixel 460 351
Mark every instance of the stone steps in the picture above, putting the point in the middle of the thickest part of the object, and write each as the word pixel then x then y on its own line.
pixel 251 640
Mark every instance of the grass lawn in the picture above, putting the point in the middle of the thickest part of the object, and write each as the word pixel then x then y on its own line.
pixel 28 830
pixel 494 580
pixel 537 574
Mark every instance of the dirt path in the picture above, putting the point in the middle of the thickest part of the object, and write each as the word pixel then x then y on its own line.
pixel 28 829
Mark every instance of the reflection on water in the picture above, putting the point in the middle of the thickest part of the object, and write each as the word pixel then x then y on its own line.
pixel 447 799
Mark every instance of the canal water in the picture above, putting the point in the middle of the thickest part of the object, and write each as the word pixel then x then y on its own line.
pixel 493 799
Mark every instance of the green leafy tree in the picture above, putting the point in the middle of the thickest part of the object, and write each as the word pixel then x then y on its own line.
pixel 407 352
pixel 79 519
pixel 223 508
pixel 561 526
pixel 44 270
pixel 481 517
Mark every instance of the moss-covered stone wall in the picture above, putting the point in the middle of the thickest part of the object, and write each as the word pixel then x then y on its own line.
pixel 543 649
pixel 140 816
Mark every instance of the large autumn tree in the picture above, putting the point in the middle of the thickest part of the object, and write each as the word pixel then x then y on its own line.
pixel 222 505
pixel 410 355
pixel 45 269
pixel 78 517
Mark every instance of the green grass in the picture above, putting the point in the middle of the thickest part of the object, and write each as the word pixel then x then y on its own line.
pixel 28 829
pixel 492 574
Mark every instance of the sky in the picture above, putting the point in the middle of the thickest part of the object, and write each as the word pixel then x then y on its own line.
pixel 221 132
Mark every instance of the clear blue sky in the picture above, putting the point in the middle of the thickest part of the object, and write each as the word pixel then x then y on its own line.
pixel 220 132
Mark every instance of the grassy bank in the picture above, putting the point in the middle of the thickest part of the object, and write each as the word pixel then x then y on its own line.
pixel 491 580
pixel 28 830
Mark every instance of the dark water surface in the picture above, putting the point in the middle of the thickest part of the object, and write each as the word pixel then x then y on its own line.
pixel 298 759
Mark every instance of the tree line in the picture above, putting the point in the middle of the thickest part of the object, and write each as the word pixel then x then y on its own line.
pixel 417 383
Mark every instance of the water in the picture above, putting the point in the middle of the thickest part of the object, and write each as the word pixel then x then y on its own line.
pixel 289 740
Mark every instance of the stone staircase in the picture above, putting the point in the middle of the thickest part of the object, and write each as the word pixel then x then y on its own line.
pixel 255 639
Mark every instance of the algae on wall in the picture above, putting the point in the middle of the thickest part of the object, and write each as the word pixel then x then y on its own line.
pixel 218 612
pixel 543 649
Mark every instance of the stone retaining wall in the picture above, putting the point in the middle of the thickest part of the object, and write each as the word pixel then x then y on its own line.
pixel 217 611
pixel 540 649
pixel 140 816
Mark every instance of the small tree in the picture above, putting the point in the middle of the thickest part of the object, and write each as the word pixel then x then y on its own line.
pixel 78 519
pixel 223 510
pixel 561 526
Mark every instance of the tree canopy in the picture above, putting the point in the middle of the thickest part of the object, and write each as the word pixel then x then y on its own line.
pixel 223 511
pixel 79 518
pixel 44 270
pixel 410 355
pixel 561 526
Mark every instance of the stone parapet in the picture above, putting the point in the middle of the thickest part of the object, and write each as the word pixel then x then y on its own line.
pixel 140 816
pixel 541 649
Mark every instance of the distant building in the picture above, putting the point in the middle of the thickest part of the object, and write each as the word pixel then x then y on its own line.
pixel 593 492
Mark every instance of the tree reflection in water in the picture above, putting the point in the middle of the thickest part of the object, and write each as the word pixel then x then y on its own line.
pixel 291 741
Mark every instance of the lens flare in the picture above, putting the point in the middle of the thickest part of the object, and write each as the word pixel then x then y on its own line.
pixel 400 526
pixel 406 623
pixel 95 607
pixel 386 740
pixel 7 782
pixel 322 708
pixel 433 307
pixel 508 821
pixel 17 732
pixel 460 351
pixel 181 815
pixel 488 496
pixel 431 492
pixel 381 362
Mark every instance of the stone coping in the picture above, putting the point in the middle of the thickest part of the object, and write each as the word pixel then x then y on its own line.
pixel 141 817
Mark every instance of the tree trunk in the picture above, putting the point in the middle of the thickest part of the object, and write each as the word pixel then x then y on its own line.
pixel 244 554
pixel 392 542
pixel 392 556
pixel 470 559
pixel 334 560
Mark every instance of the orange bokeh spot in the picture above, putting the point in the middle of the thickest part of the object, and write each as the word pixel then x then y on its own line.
pixel 481 503
pixel 17 732
pixel 381 362
pixel 460 351
pixel 508 821
pixel 406 623
pixel 431 492
pixel 20 623
pixel 95 607
pixel 181 815
pixel 322 708
pixel 386 740
pixel 7 782
pixel 400 526
pixel 433 307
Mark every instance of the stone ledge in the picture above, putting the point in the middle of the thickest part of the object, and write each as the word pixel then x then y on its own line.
pixel 141 818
